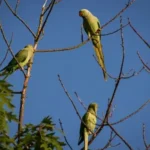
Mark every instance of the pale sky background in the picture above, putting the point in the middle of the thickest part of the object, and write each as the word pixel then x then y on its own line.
pixel 78 69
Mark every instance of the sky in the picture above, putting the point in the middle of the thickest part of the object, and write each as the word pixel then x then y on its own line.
pixel 78 69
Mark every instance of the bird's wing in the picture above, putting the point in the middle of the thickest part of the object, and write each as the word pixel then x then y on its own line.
pixel 85 26
pixel 20 56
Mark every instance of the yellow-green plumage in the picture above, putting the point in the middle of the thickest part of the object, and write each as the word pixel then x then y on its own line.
pixel 91 26
pixel 23 57
pixel 89 119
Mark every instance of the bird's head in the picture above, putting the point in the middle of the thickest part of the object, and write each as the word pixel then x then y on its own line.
pixel 93 106
pixel 84 13
pixel 29 47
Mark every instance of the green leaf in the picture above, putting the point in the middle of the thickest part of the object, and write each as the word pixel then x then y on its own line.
pixel 6 94
pixel 10 116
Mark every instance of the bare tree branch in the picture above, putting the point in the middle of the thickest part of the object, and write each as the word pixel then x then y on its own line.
pixel 23 22
pixel 108 144
pixel 144 64
pixel 7 50
pixel 44 5
pixel 17 4
pixel 148 45
pixel 129 4
pixel 125 142
pixel 64 135
pixel 69 96
pixel 110 33
pixel 47 8
pixel 133 74
pixel 144 137
pixel 41 21
pixel 147 147
pixel 65 49
pixel 40 29
pixel 66 92
pixel 132 114
pixel 85 107
pixel 127 76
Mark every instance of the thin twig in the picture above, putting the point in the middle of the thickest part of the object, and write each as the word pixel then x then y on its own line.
pixel 108 144
pixel 68 96
pixel 4 57
pixel 148 45
pixel 66 92
pixel 41 20
pixel 7 50
pixel 125 142
pixel 144 64
pixel 60 122
pixel 44 5
pixel 144 136
pixel 20 19
pixel 17 4
pixel 85 107
pixel 127 76
pixel 129 4
pixel 8 45
pixel 106 34
pixel 130 115
pixel 44 23
pixel 65 49
pixel 47 8
pixel 133 74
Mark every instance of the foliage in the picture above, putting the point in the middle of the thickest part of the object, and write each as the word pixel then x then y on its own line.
pixel 6 114
pixel 41 136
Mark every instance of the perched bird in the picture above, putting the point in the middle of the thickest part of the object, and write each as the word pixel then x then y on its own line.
pixel 91 26
pixel 89 120
pixel 23 57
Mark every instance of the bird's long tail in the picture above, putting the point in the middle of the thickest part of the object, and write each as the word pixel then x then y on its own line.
pixel 85 139
pixel 100 58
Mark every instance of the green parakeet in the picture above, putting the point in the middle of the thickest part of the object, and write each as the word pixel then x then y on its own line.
pixel 23 57
pixel 91 26
pixel 89 119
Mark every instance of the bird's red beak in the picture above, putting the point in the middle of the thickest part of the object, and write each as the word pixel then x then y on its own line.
pixel 80 13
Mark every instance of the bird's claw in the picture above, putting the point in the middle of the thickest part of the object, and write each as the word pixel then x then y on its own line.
pixel 98 30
